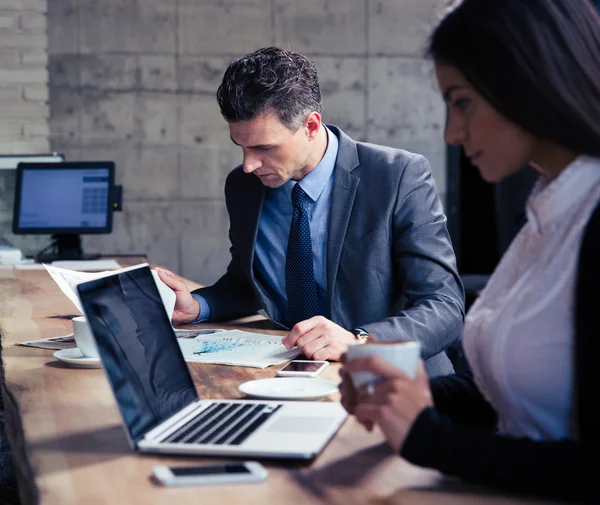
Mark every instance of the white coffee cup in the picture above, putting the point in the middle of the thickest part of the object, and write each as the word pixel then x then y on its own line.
pixel 84 337
pixel 403 355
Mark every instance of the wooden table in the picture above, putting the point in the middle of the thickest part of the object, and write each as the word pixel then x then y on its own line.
pixel 69 446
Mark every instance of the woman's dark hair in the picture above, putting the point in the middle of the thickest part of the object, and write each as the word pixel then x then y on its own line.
pixel 536 61
pixel 270 80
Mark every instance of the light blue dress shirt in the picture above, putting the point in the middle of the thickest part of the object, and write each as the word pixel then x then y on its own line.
pixel 274 228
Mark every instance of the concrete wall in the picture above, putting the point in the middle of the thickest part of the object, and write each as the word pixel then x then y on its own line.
pixel 134 81
pixel 24 108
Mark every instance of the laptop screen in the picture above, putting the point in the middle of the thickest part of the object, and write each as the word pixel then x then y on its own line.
pixel 138 348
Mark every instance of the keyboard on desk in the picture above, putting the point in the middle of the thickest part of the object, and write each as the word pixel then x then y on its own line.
pixel 223 423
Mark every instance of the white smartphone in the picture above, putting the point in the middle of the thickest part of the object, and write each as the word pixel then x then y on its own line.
pixel 303 368
pixel 222 473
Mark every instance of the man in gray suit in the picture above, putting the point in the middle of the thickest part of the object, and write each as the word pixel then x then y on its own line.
pixel 338 241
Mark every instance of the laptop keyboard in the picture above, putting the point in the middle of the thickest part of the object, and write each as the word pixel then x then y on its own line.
pixel 223 423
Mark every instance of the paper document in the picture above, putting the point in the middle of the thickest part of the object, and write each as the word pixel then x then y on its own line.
pixel 235 347
pixel 67 281
pixel 64 342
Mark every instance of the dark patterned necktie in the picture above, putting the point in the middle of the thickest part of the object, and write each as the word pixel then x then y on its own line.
pixel 300 284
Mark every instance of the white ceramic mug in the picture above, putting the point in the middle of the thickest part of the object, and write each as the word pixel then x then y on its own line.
pixel 403 355
pixel 84 337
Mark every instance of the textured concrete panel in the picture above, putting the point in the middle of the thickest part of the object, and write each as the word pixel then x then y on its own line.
pixel 65 107
pixel 203 169
pixel 342 82
pixel 155 175
pixel 224 26
pixel 109 71
pixel 321 26
pixel 405 109
pixel 143 26
pixel 146 172
pixel 69 148
pixel 204 240
pixel 202 74
pixel 156 118
pixel 401 28
pixel 123 153
pixel 108 115
pixel 201 122
pixel 64 70
pixel 157 73
pixel 150 228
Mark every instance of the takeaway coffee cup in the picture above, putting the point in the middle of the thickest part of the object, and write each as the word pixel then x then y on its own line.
pixel 84 338
pixel 403 355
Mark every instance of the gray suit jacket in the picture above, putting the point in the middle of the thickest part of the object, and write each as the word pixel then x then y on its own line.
pixel 390 265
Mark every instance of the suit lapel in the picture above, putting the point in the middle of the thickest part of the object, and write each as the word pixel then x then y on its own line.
pixel 345 185
pixel 253 199
pixel 252 207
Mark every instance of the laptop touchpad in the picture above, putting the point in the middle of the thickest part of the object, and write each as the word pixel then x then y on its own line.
pixel 300 425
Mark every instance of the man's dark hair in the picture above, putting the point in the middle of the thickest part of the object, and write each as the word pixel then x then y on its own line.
pixel 537 62
pixel 270 80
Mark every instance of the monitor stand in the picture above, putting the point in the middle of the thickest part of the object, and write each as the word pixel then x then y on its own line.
pixel 66 247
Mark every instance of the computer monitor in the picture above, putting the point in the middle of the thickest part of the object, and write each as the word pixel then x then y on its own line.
pixel 65 200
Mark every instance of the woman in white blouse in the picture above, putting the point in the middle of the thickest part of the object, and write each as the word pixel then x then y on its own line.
pixel 521 79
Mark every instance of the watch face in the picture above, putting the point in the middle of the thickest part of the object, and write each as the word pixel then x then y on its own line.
pixel 361 335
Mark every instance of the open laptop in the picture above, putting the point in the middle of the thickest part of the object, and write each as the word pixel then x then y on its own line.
pixel 158 402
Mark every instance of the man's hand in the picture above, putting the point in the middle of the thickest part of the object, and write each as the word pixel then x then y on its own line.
pixel 319 338
pixel 187 307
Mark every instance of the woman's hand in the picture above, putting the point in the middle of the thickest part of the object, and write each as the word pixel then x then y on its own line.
pixel 392 404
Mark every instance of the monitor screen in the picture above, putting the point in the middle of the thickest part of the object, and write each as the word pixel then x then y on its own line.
pixel 71 197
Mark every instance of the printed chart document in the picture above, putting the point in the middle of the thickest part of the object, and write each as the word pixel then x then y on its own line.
pixel 235 347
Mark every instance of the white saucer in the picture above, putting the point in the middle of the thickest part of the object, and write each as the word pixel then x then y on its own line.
pixel 289 388
pixel 73 357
